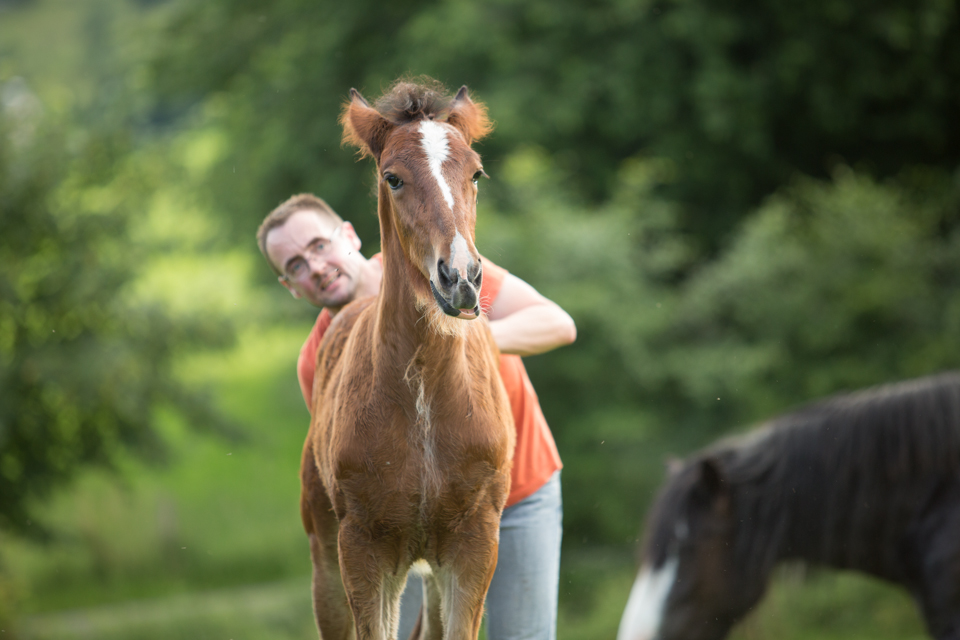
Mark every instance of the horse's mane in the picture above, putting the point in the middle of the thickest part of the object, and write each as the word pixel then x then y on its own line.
pixel 842 474
pixel 410 99
pixel 890 433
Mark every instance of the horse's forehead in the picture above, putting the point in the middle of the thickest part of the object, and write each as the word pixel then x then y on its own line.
pixel 434 152
pixel 428 142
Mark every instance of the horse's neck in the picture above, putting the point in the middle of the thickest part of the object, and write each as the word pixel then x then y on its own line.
pixel 404 336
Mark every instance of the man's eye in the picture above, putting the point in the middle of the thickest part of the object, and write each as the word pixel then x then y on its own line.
pixel 296 268
pixel 392 180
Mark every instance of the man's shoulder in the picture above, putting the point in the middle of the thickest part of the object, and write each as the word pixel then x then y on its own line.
pixel 326 341
pixel 316 333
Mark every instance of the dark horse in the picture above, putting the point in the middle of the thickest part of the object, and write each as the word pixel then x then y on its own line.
pixel 868 481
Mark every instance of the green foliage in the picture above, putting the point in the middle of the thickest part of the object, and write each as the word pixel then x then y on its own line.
pixel 830 605
pixel 635 142
pixel 224 515
pixel 828 286
pixel 744 206
pixel 83 365
pixel 740 96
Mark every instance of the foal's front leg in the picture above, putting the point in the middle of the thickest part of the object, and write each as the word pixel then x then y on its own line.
pixel 464 577
pixel 329 600
pixel 373 590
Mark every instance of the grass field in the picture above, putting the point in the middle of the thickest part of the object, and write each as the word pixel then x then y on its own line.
pixel 278 610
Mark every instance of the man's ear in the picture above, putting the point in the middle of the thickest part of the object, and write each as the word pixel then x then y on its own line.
pixel 348 233
pixel 289 287
pixel 364 127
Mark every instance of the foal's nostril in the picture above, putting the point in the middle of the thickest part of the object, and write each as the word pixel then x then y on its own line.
pixel 448 277
pixel 476 279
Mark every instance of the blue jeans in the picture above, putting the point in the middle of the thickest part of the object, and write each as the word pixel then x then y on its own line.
pixel 522 600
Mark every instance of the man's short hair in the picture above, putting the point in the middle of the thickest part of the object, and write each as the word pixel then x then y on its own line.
pixel 279 216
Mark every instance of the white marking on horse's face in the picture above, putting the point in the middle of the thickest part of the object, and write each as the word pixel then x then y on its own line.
pixel 434 141
pixel 648 600
pixel 459 255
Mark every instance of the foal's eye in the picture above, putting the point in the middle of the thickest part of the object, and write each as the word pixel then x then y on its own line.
pixel 392 180
pixel 478 175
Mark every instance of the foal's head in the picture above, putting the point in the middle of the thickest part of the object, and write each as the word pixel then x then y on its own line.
pixel 690 586
pixel 427 174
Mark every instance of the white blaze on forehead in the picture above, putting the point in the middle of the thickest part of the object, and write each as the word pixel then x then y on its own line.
pixel 648 599
pixel 434 143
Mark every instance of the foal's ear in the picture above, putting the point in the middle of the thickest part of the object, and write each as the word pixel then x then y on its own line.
pixel 363 126
pixel 469 117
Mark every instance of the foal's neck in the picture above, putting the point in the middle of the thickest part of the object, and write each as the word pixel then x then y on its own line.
pixel 403 329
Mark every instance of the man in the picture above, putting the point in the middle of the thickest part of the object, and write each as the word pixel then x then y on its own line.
pixel 316 256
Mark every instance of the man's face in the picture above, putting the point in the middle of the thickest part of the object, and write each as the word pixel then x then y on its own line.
pixel 320 259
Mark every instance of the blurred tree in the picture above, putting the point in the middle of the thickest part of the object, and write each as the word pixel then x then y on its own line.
pixel 84 366
pixel 829 286
pixel 740 96
pixel 271 78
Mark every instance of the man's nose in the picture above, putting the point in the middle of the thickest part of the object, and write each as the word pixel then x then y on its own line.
pixel 317 263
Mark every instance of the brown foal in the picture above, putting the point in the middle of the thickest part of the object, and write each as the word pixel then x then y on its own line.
pixel 408 456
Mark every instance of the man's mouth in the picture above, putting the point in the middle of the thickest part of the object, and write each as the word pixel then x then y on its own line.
pixel 328 279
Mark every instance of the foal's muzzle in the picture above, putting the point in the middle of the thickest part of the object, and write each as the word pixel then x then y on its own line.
pixel 458 296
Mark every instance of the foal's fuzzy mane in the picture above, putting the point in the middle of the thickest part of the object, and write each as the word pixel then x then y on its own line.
pixel 842 475
pixel 410 99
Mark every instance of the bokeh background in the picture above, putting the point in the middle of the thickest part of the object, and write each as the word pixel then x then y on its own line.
pixel 744 206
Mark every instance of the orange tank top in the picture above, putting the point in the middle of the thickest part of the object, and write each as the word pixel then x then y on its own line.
pixel 536 457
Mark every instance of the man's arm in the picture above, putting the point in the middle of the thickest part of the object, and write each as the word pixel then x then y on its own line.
pixel 525 323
